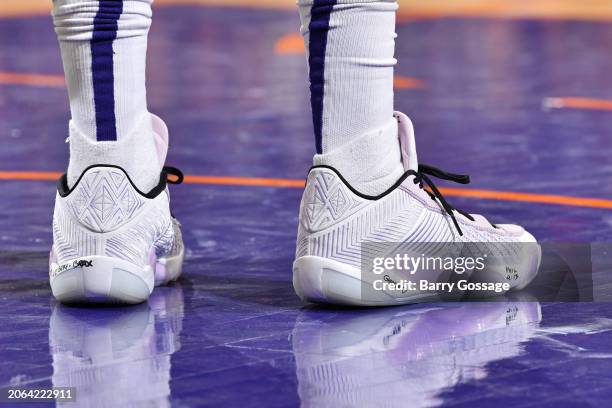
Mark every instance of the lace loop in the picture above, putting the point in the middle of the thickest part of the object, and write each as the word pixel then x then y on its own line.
pixel 444 175
pixel 423 176
pixel 173 171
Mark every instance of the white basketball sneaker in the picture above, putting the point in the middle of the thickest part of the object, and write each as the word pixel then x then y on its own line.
pixel 336 221
pixel 111 242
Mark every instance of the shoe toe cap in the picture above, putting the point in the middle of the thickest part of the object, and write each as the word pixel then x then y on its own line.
pixel 517 231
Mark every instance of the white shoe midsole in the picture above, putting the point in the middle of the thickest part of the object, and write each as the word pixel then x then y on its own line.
pixel 323 280
pixel 103 278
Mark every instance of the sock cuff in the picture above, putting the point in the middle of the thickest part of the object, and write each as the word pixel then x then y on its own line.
pixel 142 124
pixel 368 143
pixel 371 162
pixel 136 153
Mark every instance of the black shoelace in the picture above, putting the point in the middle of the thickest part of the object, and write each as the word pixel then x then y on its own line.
pixel 173 171
pixel 423 176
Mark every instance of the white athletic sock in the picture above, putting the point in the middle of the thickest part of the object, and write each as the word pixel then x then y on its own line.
pixel 103 45
pixel 350 46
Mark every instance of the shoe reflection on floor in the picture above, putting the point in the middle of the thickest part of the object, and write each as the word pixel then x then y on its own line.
pixel 117 356
pixel 404 356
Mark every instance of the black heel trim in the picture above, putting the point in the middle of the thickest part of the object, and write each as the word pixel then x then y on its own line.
pixel 64 190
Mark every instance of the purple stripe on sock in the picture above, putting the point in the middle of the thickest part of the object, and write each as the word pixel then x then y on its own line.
pixel 319 27
pixel 104 33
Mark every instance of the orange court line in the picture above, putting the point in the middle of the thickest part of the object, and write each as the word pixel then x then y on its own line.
pixel 30 175
pixel 578 103
pixel 292 183
pixel 17 78
pixel 404 82
pixel 290 44
pixel 527 197
pixel 245 181
pixel 588 10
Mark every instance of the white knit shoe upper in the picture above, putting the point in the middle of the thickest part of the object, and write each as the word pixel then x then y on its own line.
pixel 335 220
pixel 111 241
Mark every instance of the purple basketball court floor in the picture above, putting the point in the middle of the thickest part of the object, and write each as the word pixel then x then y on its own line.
pixel 520 105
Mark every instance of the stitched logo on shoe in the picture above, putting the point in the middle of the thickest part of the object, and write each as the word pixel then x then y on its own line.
pixel 326 201
pixel 104 200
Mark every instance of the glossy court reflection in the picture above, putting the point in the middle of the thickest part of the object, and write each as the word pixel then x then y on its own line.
pixel 117 356
pixel 405 356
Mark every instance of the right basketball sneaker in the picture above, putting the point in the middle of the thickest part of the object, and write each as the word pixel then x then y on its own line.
pixel 112 243
pixel 336 221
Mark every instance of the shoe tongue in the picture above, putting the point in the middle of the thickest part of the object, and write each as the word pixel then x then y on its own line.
pixel 407 142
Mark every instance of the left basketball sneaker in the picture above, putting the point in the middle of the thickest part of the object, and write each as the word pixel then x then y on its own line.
pixel 112 243
pixel 336 223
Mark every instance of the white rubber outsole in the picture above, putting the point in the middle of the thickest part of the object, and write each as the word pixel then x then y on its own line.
pixel 322 280
pixel 102 279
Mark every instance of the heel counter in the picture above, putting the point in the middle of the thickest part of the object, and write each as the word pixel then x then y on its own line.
pixel 326 200
pixel 104 214
pixel 103 200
